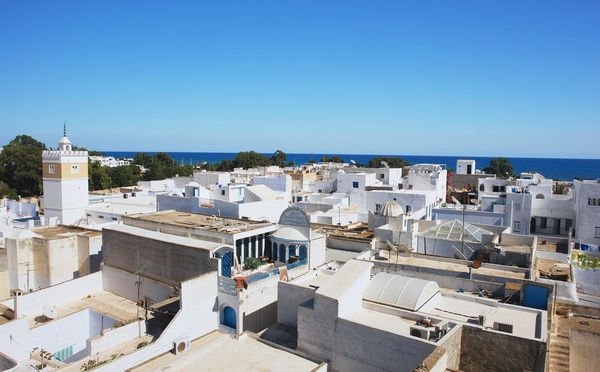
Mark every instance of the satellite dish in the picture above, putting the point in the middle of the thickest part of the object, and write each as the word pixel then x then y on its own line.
pixel 474 201
pixel 384 164
pixel 352 161
pixel 456 201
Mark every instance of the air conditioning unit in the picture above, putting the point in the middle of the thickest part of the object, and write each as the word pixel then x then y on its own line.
pixel 442 326
pixel 180 345
pixel 421 332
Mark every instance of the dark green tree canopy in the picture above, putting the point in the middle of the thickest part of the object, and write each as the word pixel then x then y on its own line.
pixel 25 140
pixel 21 165
pixel 391 162
pixel 279 158
pixel 249 159
pixel 501 167
pixel 333 159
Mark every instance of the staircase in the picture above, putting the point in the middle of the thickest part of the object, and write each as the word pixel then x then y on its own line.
pixel 558 350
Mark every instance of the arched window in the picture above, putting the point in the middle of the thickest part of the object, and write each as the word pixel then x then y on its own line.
pixel 275 251
pixel 229 318
pixel 539 196
pixel 292 249
pixel 303 253
pixel 282 253
pixel 482 187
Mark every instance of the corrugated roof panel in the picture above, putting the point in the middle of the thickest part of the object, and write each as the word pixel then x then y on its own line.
pixel 400 291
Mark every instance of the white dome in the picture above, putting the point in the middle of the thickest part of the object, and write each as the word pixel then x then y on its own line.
pixel 390 209
pixel 289 234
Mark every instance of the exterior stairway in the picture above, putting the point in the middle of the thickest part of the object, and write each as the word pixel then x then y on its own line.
pixel 558 355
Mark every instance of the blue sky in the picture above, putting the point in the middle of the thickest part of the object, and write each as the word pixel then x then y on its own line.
pixel 480 78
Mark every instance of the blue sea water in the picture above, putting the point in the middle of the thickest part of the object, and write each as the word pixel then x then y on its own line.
pixel 560 169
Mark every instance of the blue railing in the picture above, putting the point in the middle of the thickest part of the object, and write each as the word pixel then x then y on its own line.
pixel 296 264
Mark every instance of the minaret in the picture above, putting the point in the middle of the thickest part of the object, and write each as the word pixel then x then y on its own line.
pixel 65 174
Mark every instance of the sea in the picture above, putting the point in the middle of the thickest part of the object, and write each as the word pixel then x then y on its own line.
pixel 558 169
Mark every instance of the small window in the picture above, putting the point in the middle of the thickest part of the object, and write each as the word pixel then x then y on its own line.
pixel 377 208
pixel 382 175
pixel 517 207
pixel 355 185
pixel 51 169
pixel 75 169
pixel 596 232
pixel 114 218
pixel 516 226
pixel 222 192
pixel 507 328
pixel 102 217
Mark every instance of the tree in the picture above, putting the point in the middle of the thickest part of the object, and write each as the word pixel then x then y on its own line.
pixel 127 175
pixel 333 159
pixel 249 159
pixel 225 166
pixel 141 158
pixel 501 167
pixel 21 165
pixel 279 158
pixel 376 162
pixel 25 140
pixel 98 178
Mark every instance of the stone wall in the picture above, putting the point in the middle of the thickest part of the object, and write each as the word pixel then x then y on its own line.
pixel 156 258
pixel 482 350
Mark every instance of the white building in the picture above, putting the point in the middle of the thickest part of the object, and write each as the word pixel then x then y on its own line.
pixel 110 161
pixel 232 200
pixel 396 323
pixel 65 177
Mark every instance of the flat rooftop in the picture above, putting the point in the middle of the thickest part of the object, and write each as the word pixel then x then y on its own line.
pixel 466 308
pixel 448 265
pixel 62 231
pixel 101 302
pixel 203 221
pixel 313 279
pixel 220 352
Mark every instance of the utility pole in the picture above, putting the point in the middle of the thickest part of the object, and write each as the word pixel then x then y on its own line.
pixel 27 264
pixel 138 284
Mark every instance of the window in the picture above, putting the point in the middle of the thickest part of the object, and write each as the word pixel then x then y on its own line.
pixel 74 168
pixel 377 208
pixel 593 201
pixel 51 169
pixel 516 226
pixel 408 209
pixel 543 222
pixel 355 184
pixel 596 232
pixel 507 328
pixel 382 176
pixel 518 207
pixel 222 192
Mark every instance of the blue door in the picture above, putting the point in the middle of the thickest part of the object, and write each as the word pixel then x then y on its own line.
pixel 226 265
pixel 281 252
pixel 229 318
pixel 303 253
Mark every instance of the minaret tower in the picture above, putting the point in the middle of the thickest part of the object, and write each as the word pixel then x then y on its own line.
pixel 65 175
